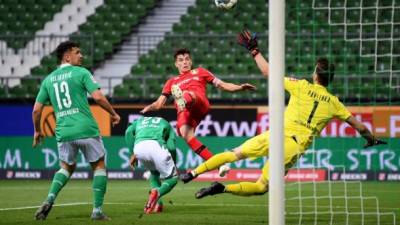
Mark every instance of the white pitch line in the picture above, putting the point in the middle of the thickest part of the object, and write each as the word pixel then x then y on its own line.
pixel 186 204
pixel 34 207
pixel 127 203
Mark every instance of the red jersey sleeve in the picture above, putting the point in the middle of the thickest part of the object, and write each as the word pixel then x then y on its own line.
pixel 207 75
pixel 167 88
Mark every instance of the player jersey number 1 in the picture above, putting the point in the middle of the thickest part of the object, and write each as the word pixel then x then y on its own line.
pixel 62 95
pixel 310 117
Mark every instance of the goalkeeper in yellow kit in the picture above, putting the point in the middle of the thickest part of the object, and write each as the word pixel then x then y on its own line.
pixel 309 110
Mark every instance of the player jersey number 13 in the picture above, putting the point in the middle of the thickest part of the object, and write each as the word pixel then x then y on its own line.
pixel 63 97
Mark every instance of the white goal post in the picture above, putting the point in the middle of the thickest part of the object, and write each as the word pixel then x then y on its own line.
pixel 276 102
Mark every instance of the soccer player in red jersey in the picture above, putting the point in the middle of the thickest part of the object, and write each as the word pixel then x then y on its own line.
pixel 189 91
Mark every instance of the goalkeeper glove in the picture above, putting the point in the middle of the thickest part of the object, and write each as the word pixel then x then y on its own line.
pixel 249 41
pixel 374 142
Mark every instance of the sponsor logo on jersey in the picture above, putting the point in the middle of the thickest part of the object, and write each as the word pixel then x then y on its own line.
pixel 187 81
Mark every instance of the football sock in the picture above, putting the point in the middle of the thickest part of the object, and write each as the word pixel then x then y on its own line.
pixel 199 148
pixel 155 183
pixel 59 180
pixel 154 179
pixel 246 188
pixel 167 185
pixel 215 162
pixel 99 187
pixel 159 201
pixel 97 210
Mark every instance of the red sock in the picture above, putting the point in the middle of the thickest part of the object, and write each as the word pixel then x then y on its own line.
pixel 199 148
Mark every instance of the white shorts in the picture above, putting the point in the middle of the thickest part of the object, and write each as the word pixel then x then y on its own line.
pixel 91 148
pixel 155 157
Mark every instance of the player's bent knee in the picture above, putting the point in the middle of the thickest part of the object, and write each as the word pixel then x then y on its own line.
pixel 99 164
pixel 261 188
pixel 68 167
pixel 174 180
pixel 238 153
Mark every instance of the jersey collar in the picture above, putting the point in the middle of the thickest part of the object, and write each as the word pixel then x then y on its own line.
pixel 320 86
pixel 64 65
pixel 187 72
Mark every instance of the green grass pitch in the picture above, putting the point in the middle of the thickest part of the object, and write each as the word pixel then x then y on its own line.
pixel 124 202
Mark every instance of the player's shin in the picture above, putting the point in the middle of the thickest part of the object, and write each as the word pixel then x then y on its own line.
pixel 246 188
pixel 99 189
pixel 215 162
pixel 59 180
pixel 167 185
pixel 199 148
pixel 154 179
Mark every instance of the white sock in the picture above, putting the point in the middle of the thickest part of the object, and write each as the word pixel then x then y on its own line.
pixel 97 210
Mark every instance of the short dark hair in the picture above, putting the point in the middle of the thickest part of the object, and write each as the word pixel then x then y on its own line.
pixel 63 47
pixel 181 51
pixel 325 71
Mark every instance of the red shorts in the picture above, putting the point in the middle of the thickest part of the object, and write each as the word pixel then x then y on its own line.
pixel 194 114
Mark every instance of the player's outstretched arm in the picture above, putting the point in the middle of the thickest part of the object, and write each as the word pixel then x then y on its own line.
pixel 36 115
pixel 262 65
pixel 365 133
pixel 156 105
pixel 249 41
pixel 234 87
pixel 102 101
